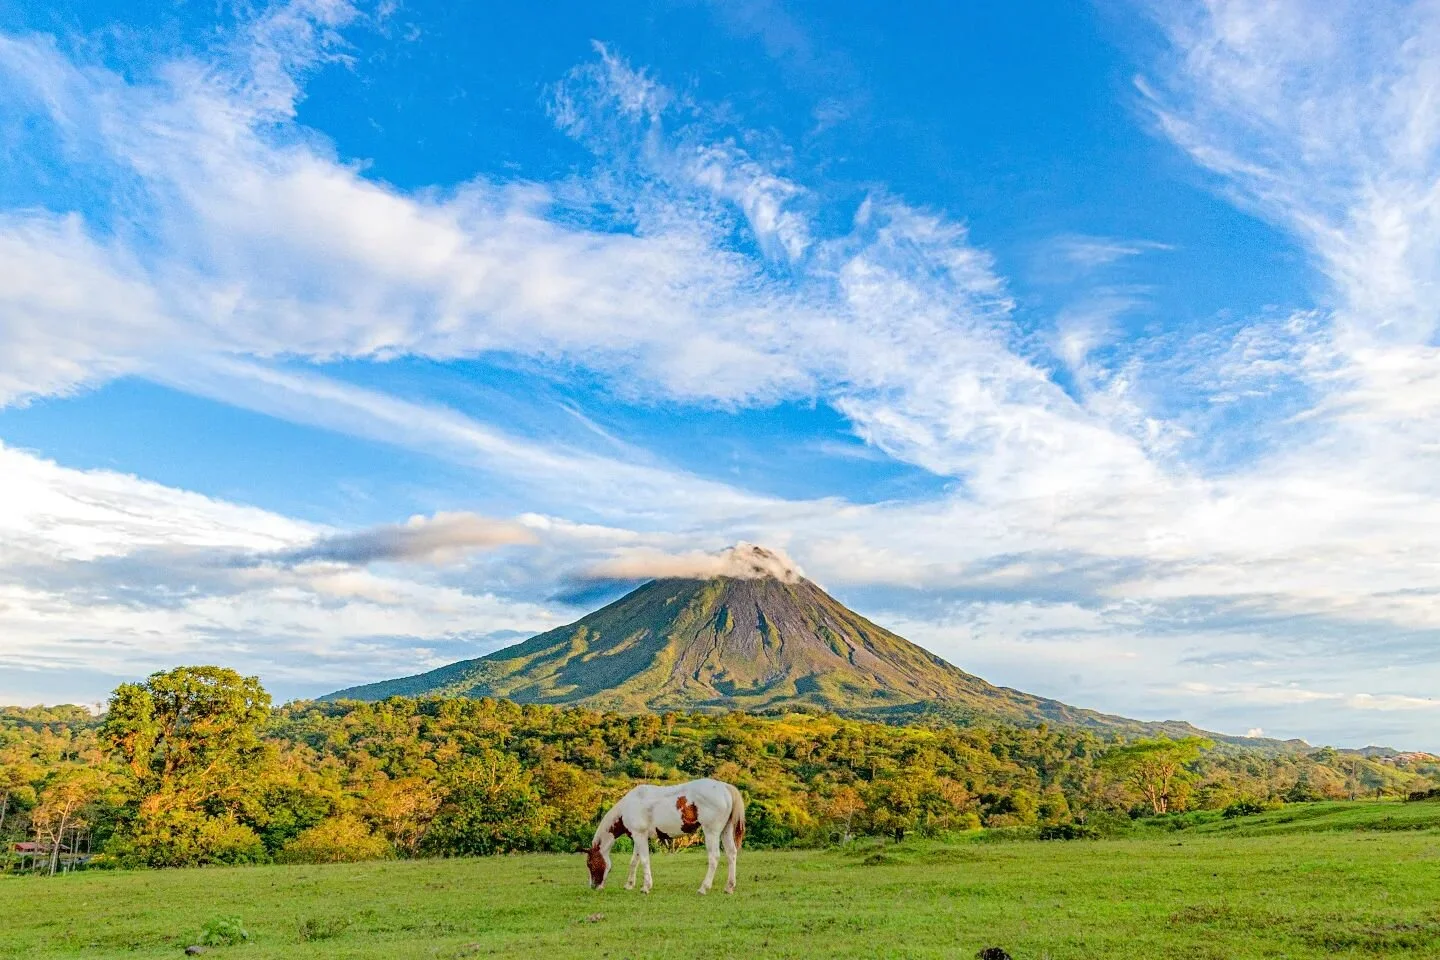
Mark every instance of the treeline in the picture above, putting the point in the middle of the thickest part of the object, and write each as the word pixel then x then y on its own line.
pixel 195 766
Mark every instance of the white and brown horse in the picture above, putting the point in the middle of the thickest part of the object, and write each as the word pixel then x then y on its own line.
pixel 664 812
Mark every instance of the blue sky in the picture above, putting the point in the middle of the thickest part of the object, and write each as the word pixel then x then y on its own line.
pixel 1092 347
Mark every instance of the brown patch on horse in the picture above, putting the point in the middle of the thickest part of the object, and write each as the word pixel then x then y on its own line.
pixel 595 860
pixel 739 833
pixel 689 815
pixel 618 828
pixel 662 835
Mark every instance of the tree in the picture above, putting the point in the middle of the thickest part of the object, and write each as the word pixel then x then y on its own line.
pixel 490 807
pixel 341 839
pixel 191 741
pixel 402 810
pixel 1155 767
pixel 60 807
pixel 186 728
pixel 14 783
pixel 843 807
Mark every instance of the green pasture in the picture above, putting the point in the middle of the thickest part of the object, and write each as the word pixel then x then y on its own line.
pixel 1315 880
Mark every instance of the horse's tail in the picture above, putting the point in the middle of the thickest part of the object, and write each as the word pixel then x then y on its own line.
pixel 737 815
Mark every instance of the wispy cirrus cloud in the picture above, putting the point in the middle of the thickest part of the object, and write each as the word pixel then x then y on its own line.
pixel 1321 120
pixel 1091 253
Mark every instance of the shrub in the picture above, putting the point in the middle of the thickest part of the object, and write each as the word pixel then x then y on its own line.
pixel 1006 834
pixel 322 928
pixel 1068 831
pixel 1107 823
pixel 1244 808
pixel 177 837
pixel 224 932
pixel 342 839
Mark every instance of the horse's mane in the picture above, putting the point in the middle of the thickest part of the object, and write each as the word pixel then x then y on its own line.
pixel 607 821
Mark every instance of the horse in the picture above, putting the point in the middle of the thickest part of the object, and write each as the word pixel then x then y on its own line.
pixel 664 812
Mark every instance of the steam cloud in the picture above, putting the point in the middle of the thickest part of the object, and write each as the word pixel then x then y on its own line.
pixel 745 561
pixel 437 539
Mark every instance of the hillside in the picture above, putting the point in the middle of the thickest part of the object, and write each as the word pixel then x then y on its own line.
pixel 745 643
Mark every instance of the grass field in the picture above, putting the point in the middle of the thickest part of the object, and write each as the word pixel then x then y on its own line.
pixel 1319 880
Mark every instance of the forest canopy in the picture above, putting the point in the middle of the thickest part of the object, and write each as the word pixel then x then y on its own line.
pixel 194 766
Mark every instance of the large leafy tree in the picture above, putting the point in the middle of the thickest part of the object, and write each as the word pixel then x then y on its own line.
pixel 191 739
pixel 491 806
pixel 1156 767
pixel 187 729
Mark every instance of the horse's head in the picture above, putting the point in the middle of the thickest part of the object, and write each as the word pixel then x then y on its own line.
pixel 599 863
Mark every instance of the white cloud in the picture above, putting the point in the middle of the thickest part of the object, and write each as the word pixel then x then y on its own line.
pixel 1091 253
pixel 72 312
pixel 1291 694
pixel 106 574
pixel 744 561
pixel 51 511
pixel 443 538
pixel 272 248
pixel 1323 120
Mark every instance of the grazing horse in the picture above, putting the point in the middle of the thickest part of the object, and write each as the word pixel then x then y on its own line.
pixel 664 812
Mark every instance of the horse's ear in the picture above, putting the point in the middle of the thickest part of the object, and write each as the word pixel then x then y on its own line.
pixel 582 849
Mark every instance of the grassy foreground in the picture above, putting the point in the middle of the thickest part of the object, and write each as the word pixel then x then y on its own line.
pixel 1327 880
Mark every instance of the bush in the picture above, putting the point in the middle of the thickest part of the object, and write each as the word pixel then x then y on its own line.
pixel 342 839
pixel 176 837
pixel 1107 823
pixel 322 928
pixel 1068 831
pixel 1244 808
pixel 224 932
pixel 1006 834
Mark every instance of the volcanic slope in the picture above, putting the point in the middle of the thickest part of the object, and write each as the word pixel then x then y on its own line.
pixel 745 644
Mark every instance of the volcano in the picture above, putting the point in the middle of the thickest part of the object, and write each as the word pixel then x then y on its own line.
pixel 765 639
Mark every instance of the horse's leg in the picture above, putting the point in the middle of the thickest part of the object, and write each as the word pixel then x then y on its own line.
pixel 712 851
pixel 634 862
pixel 642 844
pixel 732 853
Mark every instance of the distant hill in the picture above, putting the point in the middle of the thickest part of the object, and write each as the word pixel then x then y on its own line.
pixel 749 643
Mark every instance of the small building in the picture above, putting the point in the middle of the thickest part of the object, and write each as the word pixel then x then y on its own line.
pixel 28 855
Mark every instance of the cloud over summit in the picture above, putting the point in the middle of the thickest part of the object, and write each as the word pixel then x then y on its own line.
pixel 744 561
